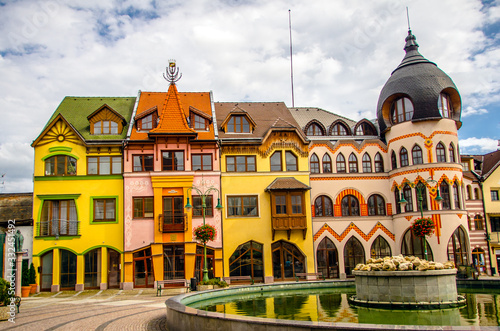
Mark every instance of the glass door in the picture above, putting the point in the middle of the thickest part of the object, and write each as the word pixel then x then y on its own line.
pixel 113 269
pixel 173 214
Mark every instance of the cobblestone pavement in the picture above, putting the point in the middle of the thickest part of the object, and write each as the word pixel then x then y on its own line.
pixel 93 310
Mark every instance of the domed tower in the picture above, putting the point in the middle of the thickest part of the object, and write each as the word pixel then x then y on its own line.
pixel 419 114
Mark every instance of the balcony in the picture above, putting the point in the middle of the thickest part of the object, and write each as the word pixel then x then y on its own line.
pixel 289 223
pixel 494 238
pixel 58 228
pixel 172 222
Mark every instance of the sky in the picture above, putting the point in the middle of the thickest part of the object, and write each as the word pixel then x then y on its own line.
pixel 343 53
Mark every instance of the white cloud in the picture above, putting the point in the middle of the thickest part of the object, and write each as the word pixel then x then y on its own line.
pixel 16 162
pixel 469 111
pixel 475 145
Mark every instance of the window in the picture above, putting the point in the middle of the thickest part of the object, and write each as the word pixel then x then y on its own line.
pixel 402 110
pixel 445 106
pixel 354 254
pixel 367 163
pixel 364 129
pixel 199 123
pixel 238 124
pixel 106 127
pixel 413 245
pixel 440 153
pixel 67 270
pixel 457 247
pixel 376 205
pixel 314 164
pixel 59 218
pixel 240 163
pixel 465 166
pixel 280 204
pixel 327 258
pixel 104 210
pixel 287 203
pixel 408 197
pixel 476 193
pixel 353 163
pixel 416 154
pixel 296 202
pixel 423 194
pixel 340 163
pixel 144 162
pixel 478 222
pixel 104 165
pixel 379 163
pixel 323 206
pixel 201 161
pixel 380 248
pixel 451 152
pixel 469 192
pixel 403 156
pixel 495 223
pixel 197 206
pixel 339 130
pixel 276 161
pixel 350 206
pixel 173 262
pixel 397 198
pixel 148 122
pixel 314 130
pixel 247 260
pixel 291 161
pixel 456 195
pixel 60 165
pixel 242 206
pixel 394 162
pixel 445 194
pixel 143 207
pixel 327 163
pixel 173 161
pixel 494 195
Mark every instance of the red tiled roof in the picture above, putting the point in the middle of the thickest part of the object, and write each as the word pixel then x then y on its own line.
pixel 172 117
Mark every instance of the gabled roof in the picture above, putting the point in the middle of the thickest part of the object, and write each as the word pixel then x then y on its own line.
pixel 105 106
pixel 287 183
pixel 491 161
pixel 304 115
pixel 200 113
pixel 238 111
pixel 59 130
pixel 75 110
pixel 146 113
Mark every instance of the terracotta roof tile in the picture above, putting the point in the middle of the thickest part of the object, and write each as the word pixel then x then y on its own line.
pixel 287 183
pixel 172 117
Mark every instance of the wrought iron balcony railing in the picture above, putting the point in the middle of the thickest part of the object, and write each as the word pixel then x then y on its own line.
pixel 58 228
pixel 172 222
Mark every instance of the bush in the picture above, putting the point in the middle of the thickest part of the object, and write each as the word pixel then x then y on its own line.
pixel 214 281
pixel 25 277
pixel 5 292
pixel 32 274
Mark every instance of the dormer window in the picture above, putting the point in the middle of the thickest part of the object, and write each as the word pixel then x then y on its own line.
pixel 105 120
pixel 445 106
pixel 238 124
pixel 147 122
pixel 199 122
pixel 339 130
pixel 314 130
pixel 402 110
pixel 364 129
pixel 105 127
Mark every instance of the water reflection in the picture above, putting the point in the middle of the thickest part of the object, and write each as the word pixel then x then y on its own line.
pixel 331 305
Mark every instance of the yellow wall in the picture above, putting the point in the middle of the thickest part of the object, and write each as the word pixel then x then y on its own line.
pixel 492 208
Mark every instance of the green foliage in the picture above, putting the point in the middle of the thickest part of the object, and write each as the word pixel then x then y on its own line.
pixel 25 277
pixel 32 274
pixel 5 292
pixel 214 281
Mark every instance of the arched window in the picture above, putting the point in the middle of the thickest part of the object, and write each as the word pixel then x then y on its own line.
pixel 60 165
pixel 478 222
pixel 379 163
pixel 402 110
pixel 247 260
pixel 276 161
pixel 408 197
pixel 413 245
pixel 469 192
pixel 440 153
pixel 92 269
pixel 339 130
pixel 327 163
pixel 350 206
pixel 380 248
pixel 287 260
pixel 451 153
pixel 457 247
pixel 46 260
pixel 67 269
pixel 323 206
pixel 376 205
pixel 291 161
pixel 327 259
pixel 397 198
pixel 423 195
pixel 456 196
pixel 314 164
pixel 445 106
pixel 478 260
pixel 476 194
pixel 444 189
pixel 403 157
pixel 340 163
pixel 394 162
pixel 367 163
pixel 314 130
pixel 353 255
pixel 416 154
pixel 353 163
pixel 364 129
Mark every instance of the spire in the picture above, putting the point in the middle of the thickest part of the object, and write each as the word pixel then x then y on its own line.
pixel 412 54
pixel 411 42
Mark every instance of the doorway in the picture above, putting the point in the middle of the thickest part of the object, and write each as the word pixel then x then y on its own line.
pixel 287 260
pixel 113 269
pixel 143 269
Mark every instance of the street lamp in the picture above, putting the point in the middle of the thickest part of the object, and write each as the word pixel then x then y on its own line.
pixel 204 191
pixel 420 199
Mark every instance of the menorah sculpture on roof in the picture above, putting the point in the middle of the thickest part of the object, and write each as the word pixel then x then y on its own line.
pixel 172 72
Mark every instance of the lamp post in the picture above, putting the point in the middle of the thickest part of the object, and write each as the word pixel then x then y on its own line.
pixel 420 199
pixel 204 191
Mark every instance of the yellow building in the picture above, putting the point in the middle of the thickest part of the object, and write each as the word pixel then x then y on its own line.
pixel 78 194
pixel 267 230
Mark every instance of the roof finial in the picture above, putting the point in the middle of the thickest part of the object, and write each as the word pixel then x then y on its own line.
pixel 172 72
pixel 411 41
pixel 408 19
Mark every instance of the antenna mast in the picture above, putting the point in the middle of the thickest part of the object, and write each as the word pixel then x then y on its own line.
pixel 408 18
pixel 291 60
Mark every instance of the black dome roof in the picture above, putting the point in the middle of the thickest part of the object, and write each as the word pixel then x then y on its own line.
pixel 419 80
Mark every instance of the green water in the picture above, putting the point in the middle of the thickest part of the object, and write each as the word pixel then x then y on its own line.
pixel 331 305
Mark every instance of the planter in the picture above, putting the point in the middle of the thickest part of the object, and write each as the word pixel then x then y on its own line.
pixel 25 291
pixel 33 288
pixel 204 287
pixel 4 313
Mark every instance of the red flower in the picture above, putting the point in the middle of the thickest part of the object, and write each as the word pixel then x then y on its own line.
pixel 423 227
pixel 205 233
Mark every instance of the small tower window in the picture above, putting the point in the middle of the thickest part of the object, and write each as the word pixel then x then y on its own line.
pixel 339 130
pixel 445 106
pixel 314 130
pixel 314 164
pixel 403 157
pixel 416 154
pixel 402 110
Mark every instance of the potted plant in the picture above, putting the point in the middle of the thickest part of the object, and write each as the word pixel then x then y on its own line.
pixel 6 293
pixel 211 284
pixel 205 233
pixel 25 283
pixel 32 279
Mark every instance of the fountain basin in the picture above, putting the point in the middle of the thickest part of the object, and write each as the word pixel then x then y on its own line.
pixel 430 289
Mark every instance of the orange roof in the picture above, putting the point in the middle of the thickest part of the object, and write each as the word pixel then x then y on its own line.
pixel 173 108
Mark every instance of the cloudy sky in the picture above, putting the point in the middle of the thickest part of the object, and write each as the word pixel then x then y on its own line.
pixel 343 53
